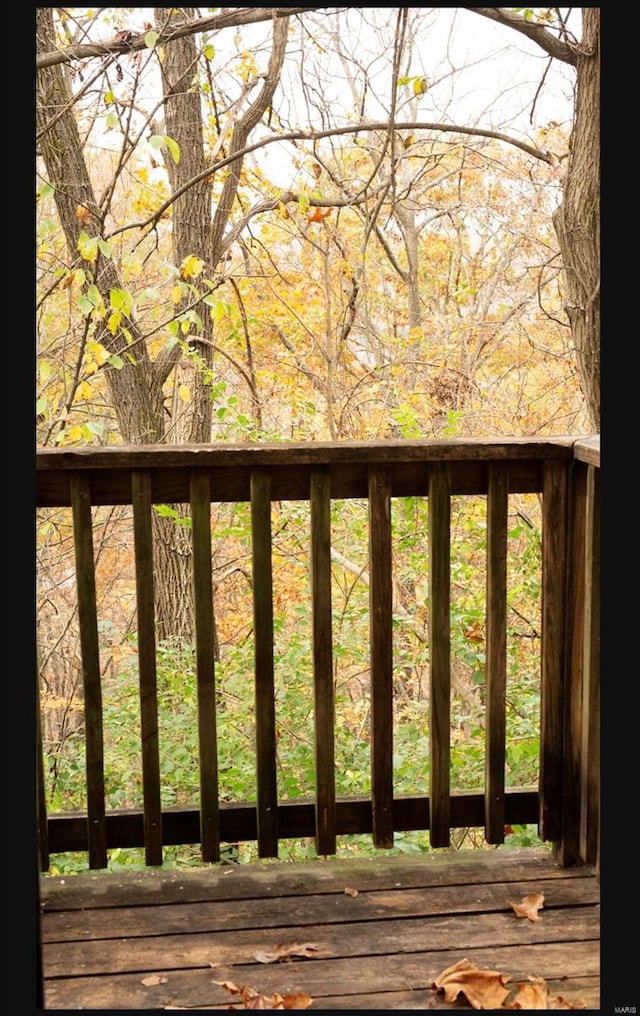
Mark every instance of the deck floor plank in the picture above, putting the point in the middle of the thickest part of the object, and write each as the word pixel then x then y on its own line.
pixel 412 917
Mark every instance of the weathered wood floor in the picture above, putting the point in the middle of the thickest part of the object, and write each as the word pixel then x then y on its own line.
pixel 105 934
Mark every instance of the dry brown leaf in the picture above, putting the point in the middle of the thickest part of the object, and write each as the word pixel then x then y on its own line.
pixel 83 215
pixel 528 906
pixel 252 999
pixel 153 979
pixel 350 892
pixel 561 1003
pixel 285 952
pixel 534 994
pixel 483 989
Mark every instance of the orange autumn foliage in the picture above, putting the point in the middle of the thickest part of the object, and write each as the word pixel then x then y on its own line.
pixel 318 215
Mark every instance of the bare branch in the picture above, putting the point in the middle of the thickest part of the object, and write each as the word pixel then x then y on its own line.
pixel 310 135
pixel 537 33
pixel 241 132
pixel 228 19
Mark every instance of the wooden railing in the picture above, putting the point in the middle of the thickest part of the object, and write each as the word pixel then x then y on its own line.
pixel 564 804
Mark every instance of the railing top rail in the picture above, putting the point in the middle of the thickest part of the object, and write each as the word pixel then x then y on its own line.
pixel 588 450
pixel 305 453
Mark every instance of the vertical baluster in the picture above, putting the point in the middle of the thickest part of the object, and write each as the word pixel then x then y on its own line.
pixel 590 782
pixel 568 849
pixel 141 500
pixel 267 805
pixel 41 799
pixel 88 622
pixel 440 676
pixel 554 589
pixel 381 612
pixel 496 652
pixel 205 666
pixel 320 496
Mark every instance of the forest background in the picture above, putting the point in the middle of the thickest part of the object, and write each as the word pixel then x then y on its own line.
pixel 327 224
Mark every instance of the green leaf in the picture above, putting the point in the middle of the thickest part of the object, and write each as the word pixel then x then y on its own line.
pixel 208 52
pixel 150 39
pixel 218 307
pixel 161 141
pixel 104 248
pixel 46 190
pixel 111 121
pixel 88 246
pixel 93 295
pixel 116 361
pixel 174 148
pixel 121 300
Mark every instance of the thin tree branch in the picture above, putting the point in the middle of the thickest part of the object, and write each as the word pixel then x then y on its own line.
pixel 532 30
pixel 228 19
pixel 536 153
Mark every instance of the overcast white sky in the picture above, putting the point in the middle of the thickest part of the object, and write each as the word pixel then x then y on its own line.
pixel 480 74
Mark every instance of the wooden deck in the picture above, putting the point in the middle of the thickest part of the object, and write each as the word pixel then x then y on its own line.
pixel 158 939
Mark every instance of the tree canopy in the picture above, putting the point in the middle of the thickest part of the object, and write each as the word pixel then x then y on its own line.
pixel 314 223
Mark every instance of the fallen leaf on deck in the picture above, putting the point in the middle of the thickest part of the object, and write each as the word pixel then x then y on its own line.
pixel 350 892
pixel 483 989
pixel 528 906
pixel 252 999
pixel 285 952
pixel 534 994
pixel 153 979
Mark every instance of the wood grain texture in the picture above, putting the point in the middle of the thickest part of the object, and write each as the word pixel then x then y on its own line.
pixel 267 794
pixel 104 935
pixel 91 677
pixel 205 666
pixel 143 541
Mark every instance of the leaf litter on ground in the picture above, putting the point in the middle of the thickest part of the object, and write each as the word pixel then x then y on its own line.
pixel 287 952
pixel 487 989
pixel 528 906
pixel 250 998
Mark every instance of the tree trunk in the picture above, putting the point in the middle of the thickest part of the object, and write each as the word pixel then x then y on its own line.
pixel 136 389
pixel 136 395
pixel 191 220
pixel 192 210
pixel 577 221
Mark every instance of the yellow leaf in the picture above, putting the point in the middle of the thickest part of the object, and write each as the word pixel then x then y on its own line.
pixel 191 267
pixel 184 393
pixel 76 433
pixel 115 319
pixel 98 351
